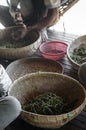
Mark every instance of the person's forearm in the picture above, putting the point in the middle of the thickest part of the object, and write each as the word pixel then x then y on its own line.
pixel 51 17
pixel 13 7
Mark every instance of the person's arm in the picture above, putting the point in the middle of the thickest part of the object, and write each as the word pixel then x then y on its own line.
pixel 51 18
pixel 18 20
pixel 52 15
pixel 13 7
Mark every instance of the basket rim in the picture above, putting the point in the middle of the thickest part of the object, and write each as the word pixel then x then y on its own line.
pixel 69 57
pixel 47 73
pixel 22 47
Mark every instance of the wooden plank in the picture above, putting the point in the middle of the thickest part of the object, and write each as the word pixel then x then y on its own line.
pixel 64 37
pixel 79 124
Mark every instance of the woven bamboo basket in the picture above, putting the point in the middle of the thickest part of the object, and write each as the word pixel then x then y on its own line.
pixel 30 86
pixel 63 8
pixel 31 65
pixel 76 43
pixel 19 52
pixel 66 5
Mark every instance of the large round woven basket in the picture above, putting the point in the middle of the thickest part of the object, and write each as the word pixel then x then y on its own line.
pixel 19 52
pixel 75 44
pixel 34 84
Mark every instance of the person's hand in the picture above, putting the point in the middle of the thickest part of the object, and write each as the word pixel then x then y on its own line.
pixel 18 18
pixel 19 32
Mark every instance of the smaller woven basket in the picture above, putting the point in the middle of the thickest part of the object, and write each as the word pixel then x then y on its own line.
pixel 32 65
pixel 34 84
pixel 19 52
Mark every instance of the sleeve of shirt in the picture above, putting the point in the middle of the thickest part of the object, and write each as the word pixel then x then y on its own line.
pixel 52 3
pixel 13 6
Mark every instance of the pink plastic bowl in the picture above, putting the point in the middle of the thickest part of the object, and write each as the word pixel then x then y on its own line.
pixel 54 50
